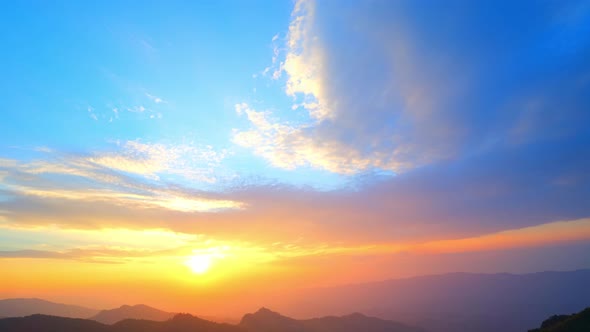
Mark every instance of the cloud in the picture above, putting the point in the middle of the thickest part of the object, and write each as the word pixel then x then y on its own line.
pixel 190 161
pixel 289 147
pixel 155 99
pixel 137 109
pixel 392 86
pixel 517 200
pixel 120 177
pixel 92 114
pixel 510 189
pixel 94 256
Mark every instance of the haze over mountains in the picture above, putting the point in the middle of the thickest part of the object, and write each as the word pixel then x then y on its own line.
pixel 26 307
pixel 139 311
pixel 263 320
pixel 442 303
pixel 454 302
pixel 179 323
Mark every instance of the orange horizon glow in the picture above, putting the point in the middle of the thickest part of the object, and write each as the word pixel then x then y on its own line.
pixel 222 269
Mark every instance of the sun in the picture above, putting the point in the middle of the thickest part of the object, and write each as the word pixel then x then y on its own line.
pixel 199 263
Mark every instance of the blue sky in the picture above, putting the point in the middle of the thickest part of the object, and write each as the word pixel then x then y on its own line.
pixel 83 76
pixel 349 123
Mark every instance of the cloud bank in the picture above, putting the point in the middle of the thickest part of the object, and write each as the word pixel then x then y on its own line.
pixel 395 86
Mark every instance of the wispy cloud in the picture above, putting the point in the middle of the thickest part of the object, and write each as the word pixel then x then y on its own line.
pixel 155 99
pixel 137 109
pixel 106 176
pixel 509 189
pixel 91 113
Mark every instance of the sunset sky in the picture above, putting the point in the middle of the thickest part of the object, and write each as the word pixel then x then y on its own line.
pixel 191 154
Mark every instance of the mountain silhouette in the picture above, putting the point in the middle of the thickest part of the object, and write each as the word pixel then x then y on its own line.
pixel 139 311
pixel 453 302
pixel 262 321
pixel 579 322
pixel 265 320
pixel 45 323
pixel 26 307
pixel 178 323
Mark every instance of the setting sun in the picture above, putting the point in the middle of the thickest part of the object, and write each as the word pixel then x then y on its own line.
pixel 199 264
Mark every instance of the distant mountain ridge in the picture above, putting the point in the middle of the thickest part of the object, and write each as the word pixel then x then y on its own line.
pixel 262 321
pixel 457 302
pixel 265 320
pixel 25 307
pixel 44 323
pixel 454 302
pixel 139 311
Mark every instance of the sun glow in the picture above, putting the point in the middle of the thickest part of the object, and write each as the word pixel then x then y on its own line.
pixel 199 263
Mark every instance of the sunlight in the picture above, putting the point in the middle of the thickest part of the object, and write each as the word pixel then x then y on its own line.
pixel 199 263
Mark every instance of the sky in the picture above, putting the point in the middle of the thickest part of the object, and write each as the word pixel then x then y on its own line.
pixel 191 154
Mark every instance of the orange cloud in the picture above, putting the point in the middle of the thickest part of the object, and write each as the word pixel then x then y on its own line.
pixel 551 233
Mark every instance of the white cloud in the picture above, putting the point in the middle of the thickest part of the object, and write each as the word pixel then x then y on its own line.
pixel 193 162
pixel 155 99
pixel 92 114
pixel 289 147
pixel 137 109
pixel 155 198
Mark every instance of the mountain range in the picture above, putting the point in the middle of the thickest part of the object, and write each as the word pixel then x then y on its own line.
pixel 443 303
pixel 179 323
pixel 263 320
pixel 26 307
pixel 139 311
pixel 452 302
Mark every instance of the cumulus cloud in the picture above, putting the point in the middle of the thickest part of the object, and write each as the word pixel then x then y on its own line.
pixel 289 147
pixel 394 86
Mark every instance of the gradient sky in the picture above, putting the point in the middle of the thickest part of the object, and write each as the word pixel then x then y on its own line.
pixel 288 144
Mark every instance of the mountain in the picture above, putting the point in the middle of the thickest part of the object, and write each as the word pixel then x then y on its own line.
pixel 357 322
pixel 44 323
pixel 579 322
pixel 179 323
pixel 262 321
pixel 139 311
pixel 25 307
pixel 453 302
pixel 265 320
